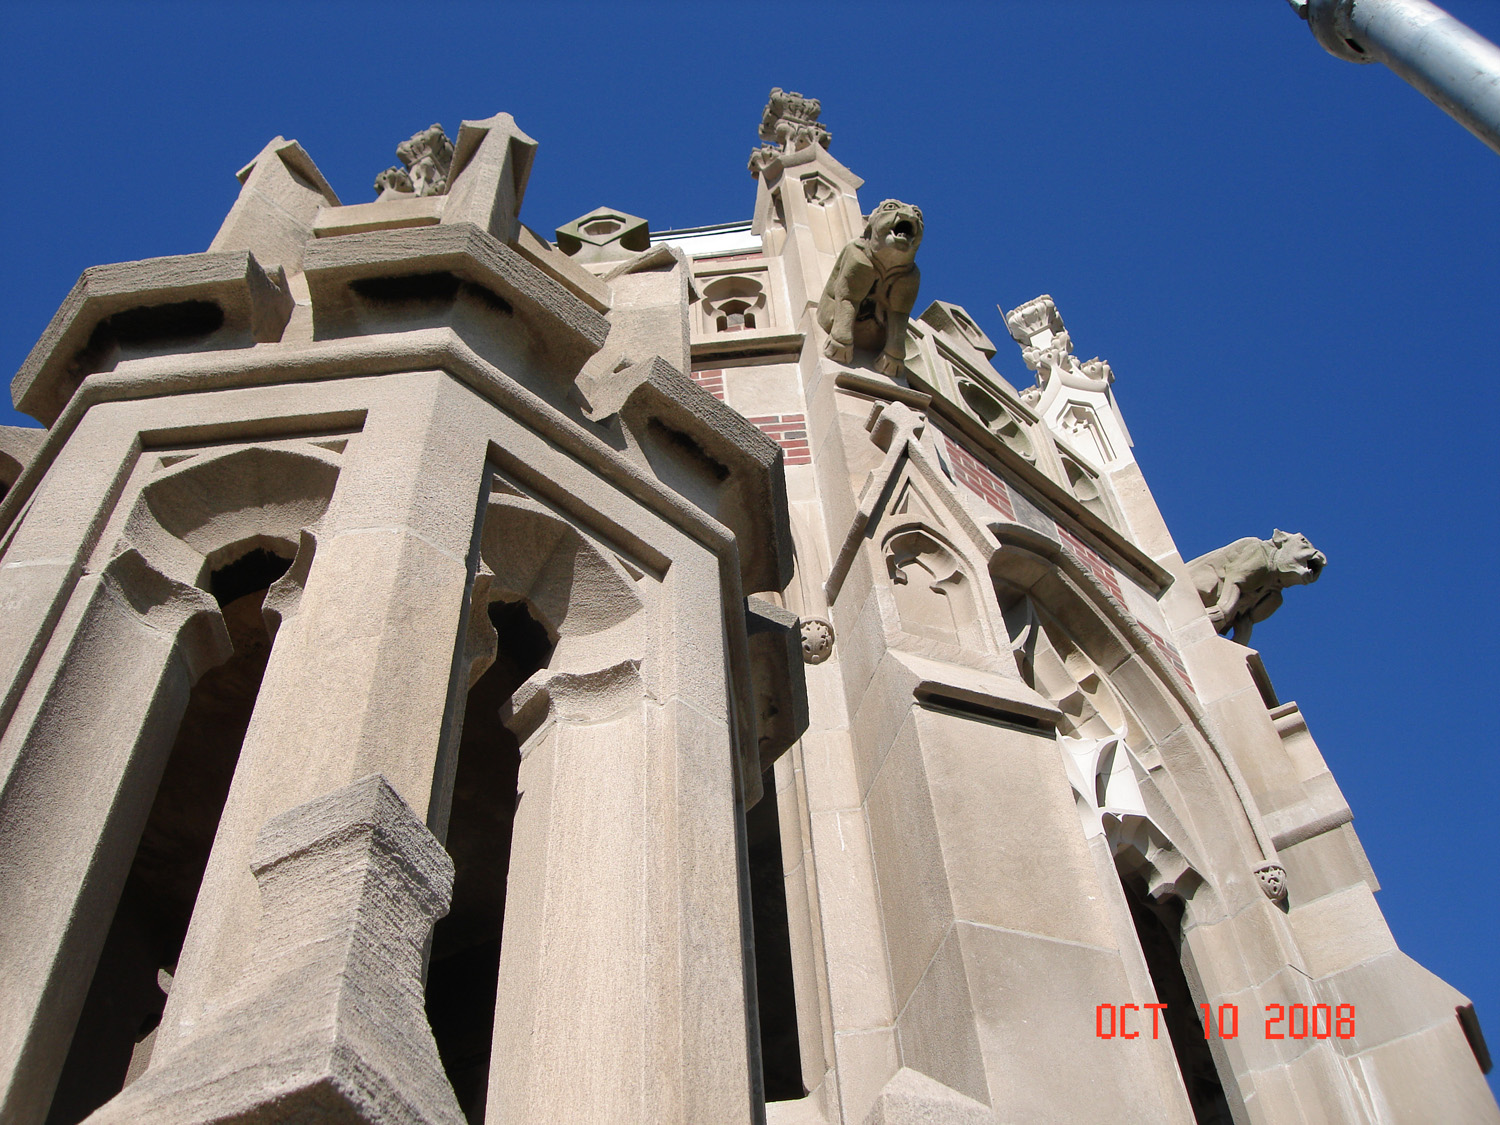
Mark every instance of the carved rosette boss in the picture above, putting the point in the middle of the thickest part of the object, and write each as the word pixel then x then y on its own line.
pixel 1272 878
pixel 817 640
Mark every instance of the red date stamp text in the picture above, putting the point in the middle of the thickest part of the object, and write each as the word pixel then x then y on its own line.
pixel 1282 1021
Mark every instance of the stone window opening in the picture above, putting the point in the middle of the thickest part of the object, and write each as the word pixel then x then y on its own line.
pixel 116 1031
pixel 1159 931
pixel 1101 737
pixel 734 304
pixel 735 316
pixel 775 992
pixel 463 969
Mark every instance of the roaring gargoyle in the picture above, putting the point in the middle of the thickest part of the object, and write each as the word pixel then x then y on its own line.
pixel 1240 585
pixel 873 288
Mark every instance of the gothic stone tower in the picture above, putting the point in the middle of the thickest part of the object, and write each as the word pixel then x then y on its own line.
pixel 450 675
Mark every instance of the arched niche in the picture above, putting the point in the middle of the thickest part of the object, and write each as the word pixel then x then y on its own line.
pixel 127 796
pixel 204 512
pixel 935 598
pixel 572 587
pixel 1069 646
pixel 734 304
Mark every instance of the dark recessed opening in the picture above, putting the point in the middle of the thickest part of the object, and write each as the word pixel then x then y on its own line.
pixel 1355 47
pixel 694 452
pixel 255 570
pixel 149 326
pixel 969 709
pixel 114 1036
pixel 775 994
pixel 411 287
pixel 464 968
pixel 1159 930
pixel 487 297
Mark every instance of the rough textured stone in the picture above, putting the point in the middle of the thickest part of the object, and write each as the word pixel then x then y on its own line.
pixel 221 299
pixel 912 1098
pixel 327 1023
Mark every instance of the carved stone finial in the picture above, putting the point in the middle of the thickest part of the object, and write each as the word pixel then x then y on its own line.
pixel 425 160
pixel 791 121
pixel 817 640
pixel 873 288
pixel 1047 349
pixel 1272 878
pixel 1241 584
pixel 788 123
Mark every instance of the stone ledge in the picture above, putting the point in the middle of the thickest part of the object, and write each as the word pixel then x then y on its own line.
pixel 573 330
pixel 253 307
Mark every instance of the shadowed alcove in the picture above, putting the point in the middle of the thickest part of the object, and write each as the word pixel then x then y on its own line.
pixel 463 971
pixel 115 1034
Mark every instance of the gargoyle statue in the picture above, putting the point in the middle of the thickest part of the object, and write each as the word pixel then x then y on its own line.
pixel 874 287
pixel 1241 584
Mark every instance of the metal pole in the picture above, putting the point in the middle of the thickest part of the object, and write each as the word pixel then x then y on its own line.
pixel 1448 61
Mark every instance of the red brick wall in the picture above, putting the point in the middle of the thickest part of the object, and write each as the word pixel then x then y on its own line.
pixel 974 475
pixel 711 381
pixel 788 431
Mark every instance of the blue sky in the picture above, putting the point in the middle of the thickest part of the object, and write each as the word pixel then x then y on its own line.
pixel 1290 261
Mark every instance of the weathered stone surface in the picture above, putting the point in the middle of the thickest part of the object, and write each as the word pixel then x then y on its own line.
pixel 18 445
pixel 191 302
pixel 572 329
pixel 281 194
pixel 512 541
pixel 912 1098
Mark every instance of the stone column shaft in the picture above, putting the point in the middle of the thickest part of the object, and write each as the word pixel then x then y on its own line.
pixel 79 769
pixel 358 679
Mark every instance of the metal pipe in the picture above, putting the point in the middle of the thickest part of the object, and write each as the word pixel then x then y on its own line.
pixel 1451 63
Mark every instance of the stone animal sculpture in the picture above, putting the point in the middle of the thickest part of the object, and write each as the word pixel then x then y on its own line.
pixel 1241 584
pixel 874 287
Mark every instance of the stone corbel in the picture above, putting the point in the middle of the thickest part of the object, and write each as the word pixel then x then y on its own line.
pixel 285 594
pixel 552 695
pixel 481 642
pixel 171 607
pixel 778 680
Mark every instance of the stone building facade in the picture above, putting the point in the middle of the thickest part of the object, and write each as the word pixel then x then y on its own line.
pixel 448 674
